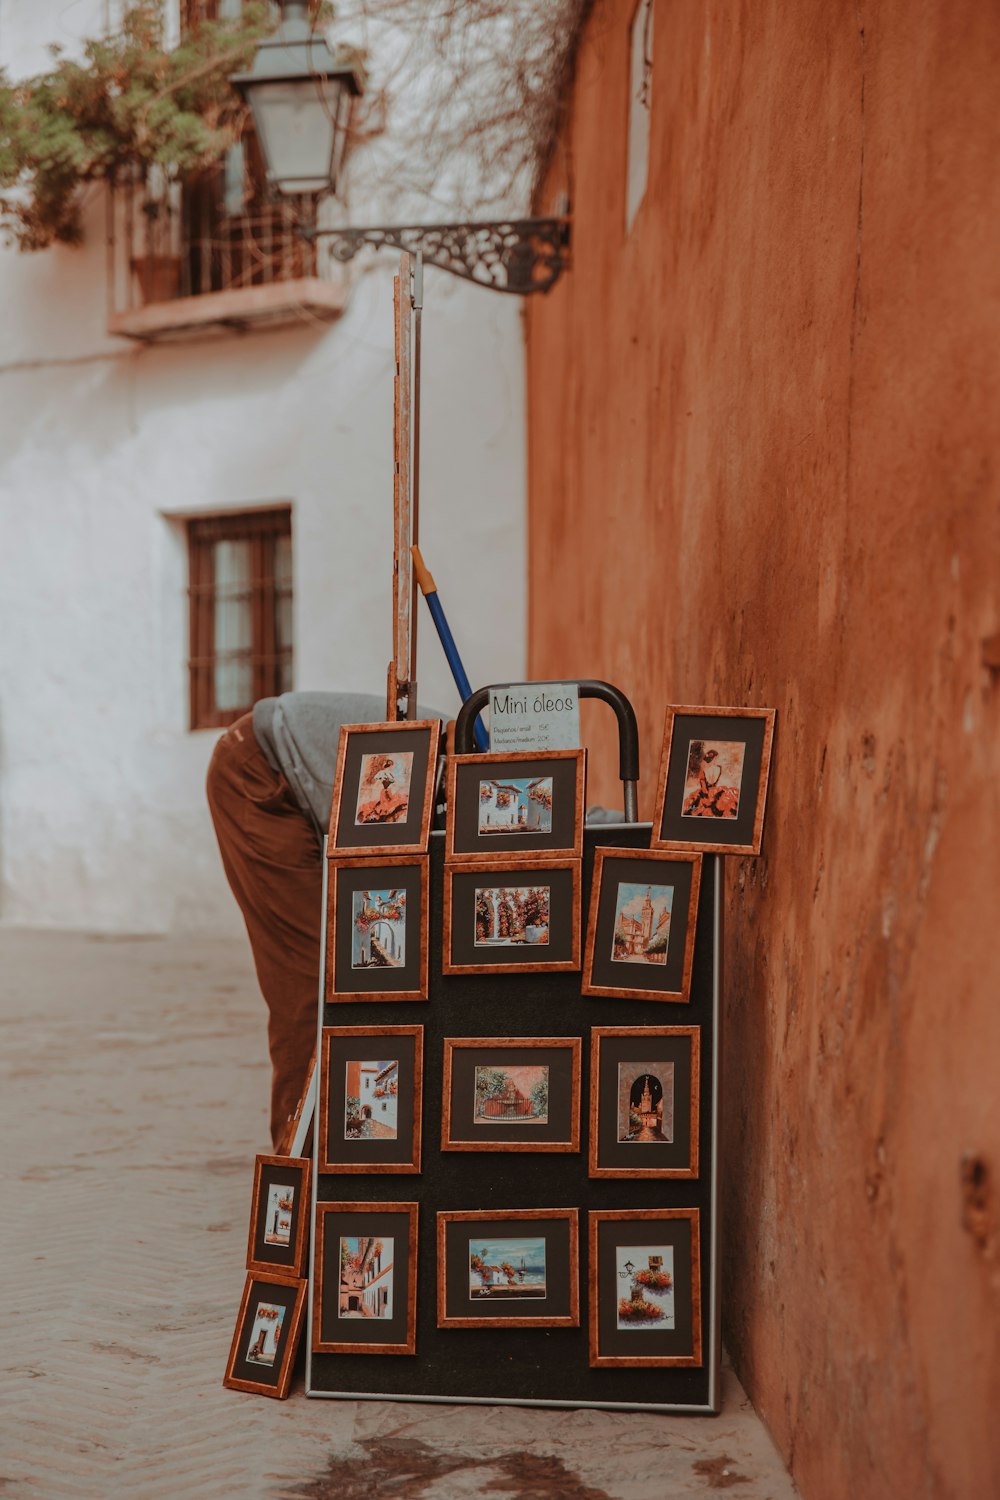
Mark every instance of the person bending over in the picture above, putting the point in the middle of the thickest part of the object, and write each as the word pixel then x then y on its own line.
pixel 270 786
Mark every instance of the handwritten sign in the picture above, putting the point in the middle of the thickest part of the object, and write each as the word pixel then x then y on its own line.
pixel 535 716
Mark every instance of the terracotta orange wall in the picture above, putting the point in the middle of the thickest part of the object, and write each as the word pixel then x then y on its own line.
pixel 763 465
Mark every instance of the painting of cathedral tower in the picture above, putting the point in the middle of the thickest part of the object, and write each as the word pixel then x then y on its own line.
pixel 642 923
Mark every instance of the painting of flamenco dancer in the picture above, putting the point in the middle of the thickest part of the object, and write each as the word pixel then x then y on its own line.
pixel 384 788
pixel 714 779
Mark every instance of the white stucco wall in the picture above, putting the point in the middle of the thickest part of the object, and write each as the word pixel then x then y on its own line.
pixel 103 823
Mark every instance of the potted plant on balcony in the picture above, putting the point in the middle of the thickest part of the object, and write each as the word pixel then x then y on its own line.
pixel 130 112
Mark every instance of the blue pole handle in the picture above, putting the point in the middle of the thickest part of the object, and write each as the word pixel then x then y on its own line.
pixel 455 663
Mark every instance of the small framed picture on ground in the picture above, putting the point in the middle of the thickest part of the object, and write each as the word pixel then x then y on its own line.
pixel 512 915
pixel 365 1296
pixel 524 803
pixel 279 1216
pixel 376 936
pixel 371 1084
pixel 383 789
pixel 645 1287
pixel 267 1335
pixel 713 779
pixel 511 1094
pixel 643 914
pixel 512 1268
pixel 644 1092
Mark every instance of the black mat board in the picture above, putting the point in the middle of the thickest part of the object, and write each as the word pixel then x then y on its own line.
pixel 524 1364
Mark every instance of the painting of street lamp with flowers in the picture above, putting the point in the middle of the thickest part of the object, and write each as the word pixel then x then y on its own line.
pixel 646 1279
pixel 378 939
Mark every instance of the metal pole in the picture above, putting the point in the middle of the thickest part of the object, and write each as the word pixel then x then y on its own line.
pixel 418 308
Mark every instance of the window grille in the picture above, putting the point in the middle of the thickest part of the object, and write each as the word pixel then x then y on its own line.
pixel 240 612
pixel 232 232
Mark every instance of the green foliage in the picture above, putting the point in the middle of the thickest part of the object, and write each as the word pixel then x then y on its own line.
pixel 130 105
pixel 540 1095
pixel 490 1082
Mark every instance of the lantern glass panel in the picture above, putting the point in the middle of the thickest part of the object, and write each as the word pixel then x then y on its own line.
pixel 296 123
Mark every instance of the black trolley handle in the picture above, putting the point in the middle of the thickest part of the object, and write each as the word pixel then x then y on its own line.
pixel 628 731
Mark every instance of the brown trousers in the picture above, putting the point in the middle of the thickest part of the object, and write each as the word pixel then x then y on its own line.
pixel 274 865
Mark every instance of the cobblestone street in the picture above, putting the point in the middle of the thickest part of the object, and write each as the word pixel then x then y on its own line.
pixel 133 1101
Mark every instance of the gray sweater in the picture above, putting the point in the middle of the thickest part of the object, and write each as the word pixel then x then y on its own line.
pixel 299 734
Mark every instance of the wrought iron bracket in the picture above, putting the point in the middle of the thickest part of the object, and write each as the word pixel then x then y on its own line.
pixel 510 255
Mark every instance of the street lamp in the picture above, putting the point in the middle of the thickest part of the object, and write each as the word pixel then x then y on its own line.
pixel 301 97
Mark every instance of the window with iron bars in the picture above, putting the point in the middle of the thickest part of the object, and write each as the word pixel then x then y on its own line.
pixel 233 233
pixel 240 612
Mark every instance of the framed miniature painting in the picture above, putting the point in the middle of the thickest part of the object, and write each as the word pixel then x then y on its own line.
pixel 645 1287
pixel 376 939
pixel 514 1268
pixel 522 803
pixel 713 779
pixel 643 914
pixel 644 1094
pixel 511 1094
pixel 266 1339
pixel 512 915
pixel 383 792
pixel 370 1099
pixel 279 1216
pixel 365 1296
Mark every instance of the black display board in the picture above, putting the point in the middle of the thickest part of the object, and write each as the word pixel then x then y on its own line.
pixel 524 1365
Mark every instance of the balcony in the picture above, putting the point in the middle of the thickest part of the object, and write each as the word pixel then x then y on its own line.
pixel 209 256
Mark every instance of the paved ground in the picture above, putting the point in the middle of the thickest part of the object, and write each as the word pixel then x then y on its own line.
pixel 131 1106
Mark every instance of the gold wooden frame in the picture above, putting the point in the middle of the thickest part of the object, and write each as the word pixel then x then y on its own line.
pixel 571 1044
pixel 341 1346
pixel 300 1250
pixel 648 1033
pixel 288 1134
pixel 400 726
pixel 530 868
pixel 352 997
pixel 605 856
pixel 494 1216
pixel 324 1163
pixel 513 757
pixel 705 847
pixel 257 1387
pixel 693 1360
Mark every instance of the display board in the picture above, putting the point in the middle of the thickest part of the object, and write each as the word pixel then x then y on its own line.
pixel 541 1191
